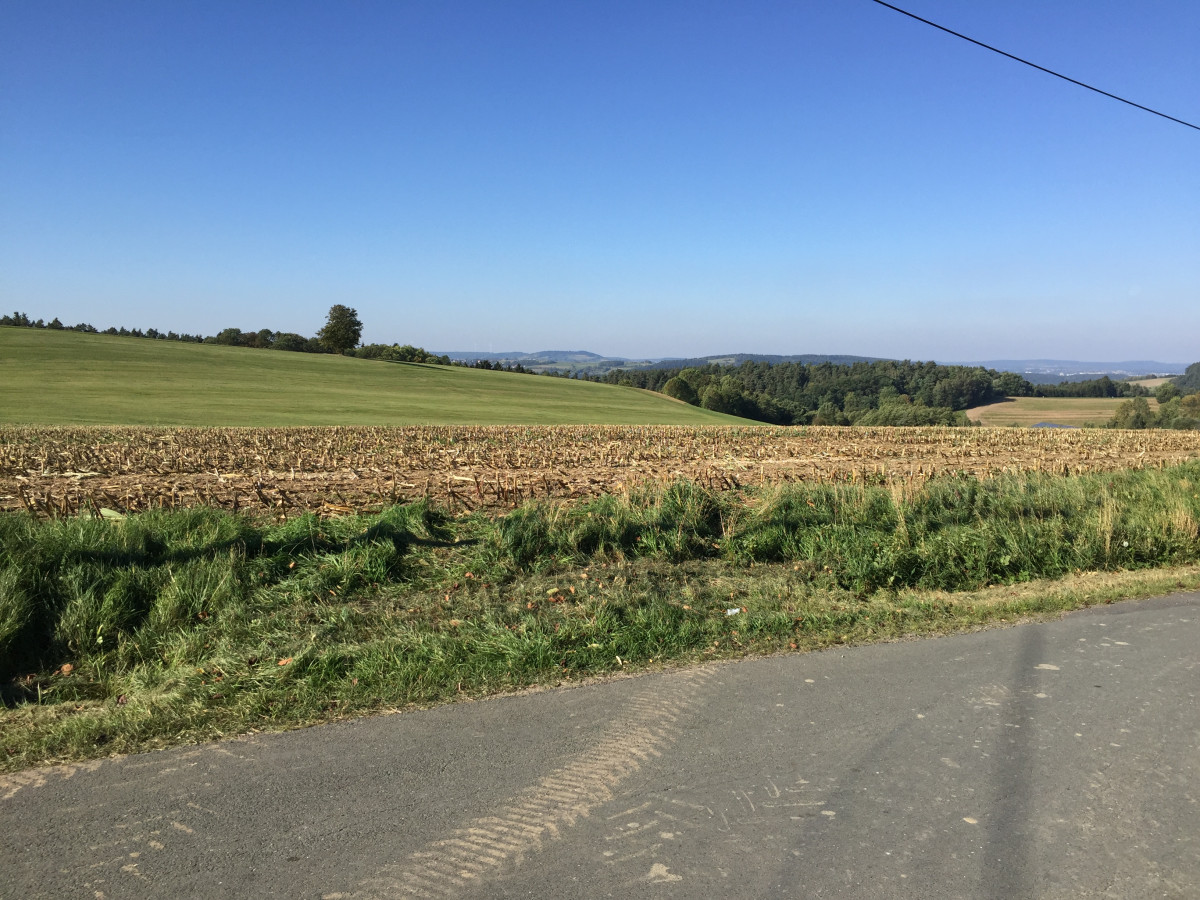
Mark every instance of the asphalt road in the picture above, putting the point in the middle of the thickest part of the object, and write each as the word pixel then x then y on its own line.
pixel 1050 760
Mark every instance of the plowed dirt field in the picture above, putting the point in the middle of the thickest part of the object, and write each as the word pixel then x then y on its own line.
pixel 339 470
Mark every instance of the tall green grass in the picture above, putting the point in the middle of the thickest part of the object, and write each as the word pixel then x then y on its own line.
pixel 121 634
pixel 125 592
pixel 952 534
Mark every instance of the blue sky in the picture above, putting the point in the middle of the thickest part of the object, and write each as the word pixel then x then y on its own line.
pixel 632 178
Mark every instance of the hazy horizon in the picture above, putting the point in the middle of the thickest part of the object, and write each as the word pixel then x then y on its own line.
pixel 636 179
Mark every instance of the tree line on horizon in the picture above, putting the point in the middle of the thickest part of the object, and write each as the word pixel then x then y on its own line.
pixel 264 338
pixel 341 334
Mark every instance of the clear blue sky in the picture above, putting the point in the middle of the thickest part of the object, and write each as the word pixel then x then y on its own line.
pixel 633 178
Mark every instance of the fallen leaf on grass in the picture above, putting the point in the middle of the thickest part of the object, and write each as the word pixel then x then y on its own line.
pixel 285 661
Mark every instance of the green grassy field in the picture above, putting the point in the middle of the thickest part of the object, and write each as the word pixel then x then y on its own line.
pixel 1055 410
pixel 64 378
pixel 122 634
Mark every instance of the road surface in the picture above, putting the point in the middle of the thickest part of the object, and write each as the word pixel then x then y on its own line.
pixel 1044 760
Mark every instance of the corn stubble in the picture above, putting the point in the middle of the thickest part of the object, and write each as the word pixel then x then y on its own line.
pixel 55 471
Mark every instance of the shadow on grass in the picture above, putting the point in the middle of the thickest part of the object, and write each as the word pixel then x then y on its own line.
pixel 53 592
pixel 256 547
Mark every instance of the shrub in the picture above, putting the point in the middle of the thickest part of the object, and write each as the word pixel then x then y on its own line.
pixel 680 389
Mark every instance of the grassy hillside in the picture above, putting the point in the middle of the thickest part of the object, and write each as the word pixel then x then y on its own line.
pixel 64 378
pixel 1054 410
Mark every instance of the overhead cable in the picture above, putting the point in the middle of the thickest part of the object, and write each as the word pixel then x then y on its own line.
pixel 1035 65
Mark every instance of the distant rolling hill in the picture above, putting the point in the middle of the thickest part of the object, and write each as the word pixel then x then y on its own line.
pixel 1054 371
pixel 550 360
pixel 65 378
pixel 595 364
pixel 736 359
pixel 1037 371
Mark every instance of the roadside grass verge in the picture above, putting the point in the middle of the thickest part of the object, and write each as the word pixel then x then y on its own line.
pixel 169 627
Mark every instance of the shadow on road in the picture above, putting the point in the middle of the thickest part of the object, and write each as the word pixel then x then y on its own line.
pixel 1010 858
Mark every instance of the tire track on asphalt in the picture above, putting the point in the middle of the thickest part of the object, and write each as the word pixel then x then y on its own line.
pixel 490 845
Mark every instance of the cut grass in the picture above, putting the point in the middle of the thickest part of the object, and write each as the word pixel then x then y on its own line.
pixel 1026 411
pixel 64 378
pixel 167 627
pixel 1152 383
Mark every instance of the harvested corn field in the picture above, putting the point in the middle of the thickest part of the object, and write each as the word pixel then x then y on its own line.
pixel 339 470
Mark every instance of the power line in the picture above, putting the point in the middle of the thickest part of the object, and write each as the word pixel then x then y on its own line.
pixel 1035 65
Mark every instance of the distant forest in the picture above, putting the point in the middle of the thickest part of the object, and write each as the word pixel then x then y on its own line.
pixel 882 392
pixel 1178 405
pixel 1189 381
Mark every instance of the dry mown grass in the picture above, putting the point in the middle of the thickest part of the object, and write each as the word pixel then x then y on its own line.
pixel 1025 411
pixel 59 470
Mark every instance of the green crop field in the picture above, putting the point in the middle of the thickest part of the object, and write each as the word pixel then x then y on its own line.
pixel 1027 411
pixel 64 378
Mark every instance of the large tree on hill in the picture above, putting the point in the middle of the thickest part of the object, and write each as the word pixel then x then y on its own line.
pixel 342 330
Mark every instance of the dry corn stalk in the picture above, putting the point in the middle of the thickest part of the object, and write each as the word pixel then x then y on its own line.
pixel 61 470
